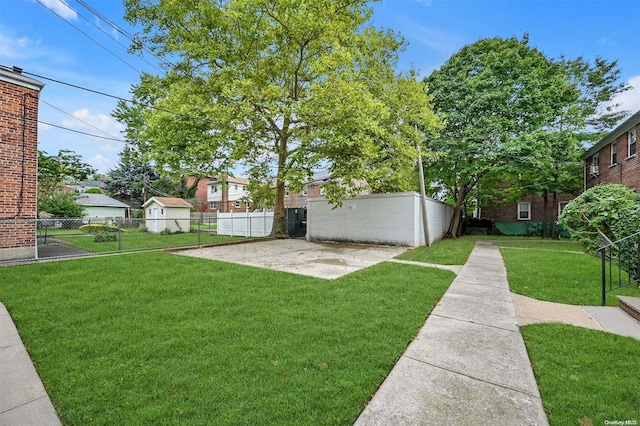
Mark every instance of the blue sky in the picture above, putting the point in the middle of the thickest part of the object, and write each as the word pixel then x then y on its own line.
pixel 34 38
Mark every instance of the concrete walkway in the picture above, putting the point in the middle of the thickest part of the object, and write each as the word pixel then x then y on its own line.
pixel 23 399
pixel 468 365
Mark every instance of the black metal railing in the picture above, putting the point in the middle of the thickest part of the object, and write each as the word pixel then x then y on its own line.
pixel 620 264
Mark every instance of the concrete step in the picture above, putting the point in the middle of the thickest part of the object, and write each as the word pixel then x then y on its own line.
pixel 614 320
pixel 630 305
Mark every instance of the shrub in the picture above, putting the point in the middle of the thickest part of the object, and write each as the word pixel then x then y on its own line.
pixel 603 214
pixel 105 237
pixel 95 228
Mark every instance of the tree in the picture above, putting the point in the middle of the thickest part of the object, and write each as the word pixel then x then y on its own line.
pixel 64 168
pixel 283 87
pixel 61 205
pixel 509 109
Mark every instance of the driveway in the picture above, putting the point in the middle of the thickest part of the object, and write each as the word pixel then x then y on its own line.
pixel 321 260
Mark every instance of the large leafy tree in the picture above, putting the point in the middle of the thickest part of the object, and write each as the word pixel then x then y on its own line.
pixel 281 86
pixel 64 168
pixel 510 109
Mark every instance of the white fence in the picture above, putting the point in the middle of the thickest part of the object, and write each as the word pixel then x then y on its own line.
pixel 256 224
pixel 390 219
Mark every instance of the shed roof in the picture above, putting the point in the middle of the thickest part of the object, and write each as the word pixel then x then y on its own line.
pixel 168 202
pixel 99 200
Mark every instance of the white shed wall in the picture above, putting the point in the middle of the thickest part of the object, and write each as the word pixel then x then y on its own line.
pixel 390 219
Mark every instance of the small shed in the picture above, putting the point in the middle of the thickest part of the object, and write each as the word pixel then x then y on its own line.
pixel 167 213
pixel 101 206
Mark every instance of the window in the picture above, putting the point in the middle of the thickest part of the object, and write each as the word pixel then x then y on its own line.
pixel 238 204
pixel 235 187
pixel 524 210
pixel 161 211
pixel 594 169
pixel 614 153
pixel 561 206
pixel 632 144
pixel 149 211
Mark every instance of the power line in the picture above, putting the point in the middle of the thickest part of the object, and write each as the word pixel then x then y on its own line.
pixel 90 38
pixel 76 118
pixel 109 35
pixel 20 117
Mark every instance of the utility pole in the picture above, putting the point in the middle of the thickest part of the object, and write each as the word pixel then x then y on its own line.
pixel 423 199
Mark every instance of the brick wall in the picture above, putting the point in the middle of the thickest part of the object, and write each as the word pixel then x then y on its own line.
pixel 509 212
pixel 625 171
pixel 18 164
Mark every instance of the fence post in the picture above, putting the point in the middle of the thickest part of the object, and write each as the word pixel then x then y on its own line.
pixel 119 239
pixel 604 275
pixel 199 229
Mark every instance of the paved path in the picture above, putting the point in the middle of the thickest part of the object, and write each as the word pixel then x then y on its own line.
pixel 23 399
pixel 468 365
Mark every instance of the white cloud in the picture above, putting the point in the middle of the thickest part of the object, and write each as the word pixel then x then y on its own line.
pixel 60 8
pixel 100 162
pixel 630 100
pixel 98 124
pixel 432 38
pixel 14 47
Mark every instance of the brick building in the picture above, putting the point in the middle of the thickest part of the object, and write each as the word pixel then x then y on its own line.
pixel 527 212
pixel 18 163
pixel 614 159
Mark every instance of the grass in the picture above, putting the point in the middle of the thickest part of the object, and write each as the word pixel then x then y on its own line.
pixel 144 240
pixel 455 251
pixel 561 277
pixel 153 338
pixel 584 376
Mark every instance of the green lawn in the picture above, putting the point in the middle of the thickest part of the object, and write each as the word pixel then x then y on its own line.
pixel 561 277
pixel 154 338
pixel 145 240
pixel 585 377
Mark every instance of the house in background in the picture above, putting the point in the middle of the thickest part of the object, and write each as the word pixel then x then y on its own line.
pixel 167 214
pixel 228 194
pixel 614 159
pixel 524 217
pixel 18 158
pixel 314 189
pixel 102 206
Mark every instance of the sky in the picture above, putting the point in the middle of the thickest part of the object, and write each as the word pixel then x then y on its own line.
pixel 71 43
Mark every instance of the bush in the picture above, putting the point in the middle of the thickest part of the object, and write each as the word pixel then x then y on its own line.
pixel 95 228
pixel 105 237
pixel 603 214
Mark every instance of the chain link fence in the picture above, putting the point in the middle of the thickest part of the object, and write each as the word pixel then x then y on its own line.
pixel 25 240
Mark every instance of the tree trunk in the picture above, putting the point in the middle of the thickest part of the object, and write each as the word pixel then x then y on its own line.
pixel 545 231
pixel 279 229
pixel 554 223
pixel 457 213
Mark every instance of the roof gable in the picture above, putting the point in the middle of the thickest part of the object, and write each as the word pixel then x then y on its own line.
pixel 99 200
pixel 168 202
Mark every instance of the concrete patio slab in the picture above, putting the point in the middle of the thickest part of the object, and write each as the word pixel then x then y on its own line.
pixel 614 320
pixel 321 260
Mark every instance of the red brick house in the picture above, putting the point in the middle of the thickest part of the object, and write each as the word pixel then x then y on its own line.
pixel 18 163
pixel 228 194
pixel 525 216
pixel 614 159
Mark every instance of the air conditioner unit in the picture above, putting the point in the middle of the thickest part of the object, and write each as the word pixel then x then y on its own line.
pixel 594 170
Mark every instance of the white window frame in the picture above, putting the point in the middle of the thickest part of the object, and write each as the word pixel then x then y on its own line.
pixel 614 153
pixel 561 207
pixel 632 139
pixel 238 204
pixel 528 210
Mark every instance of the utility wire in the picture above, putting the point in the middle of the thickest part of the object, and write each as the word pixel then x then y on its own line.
pixel 20 117
pixel 90 38
pixel 110 36
pixel 76 118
